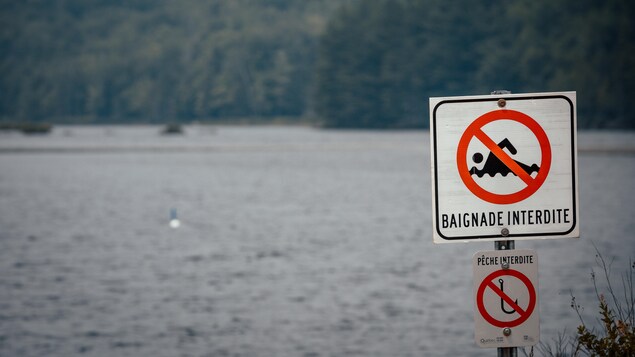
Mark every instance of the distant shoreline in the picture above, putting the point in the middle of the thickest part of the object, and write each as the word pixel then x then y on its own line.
pixel 205 137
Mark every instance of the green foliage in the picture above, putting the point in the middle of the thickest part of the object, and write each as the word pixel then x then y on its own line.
pixel 618 339
pixel 157 60
pixel 617 318
pixel 380 60
pixel 356 63
pixel 616 334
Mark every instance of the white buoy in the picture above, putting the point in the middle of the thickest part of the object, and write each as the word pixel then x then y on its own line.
pixel 174 221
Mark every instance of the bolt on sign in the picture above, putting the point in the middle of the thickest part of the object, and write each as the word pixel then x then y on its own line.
pixel 504 166
pixel 506 298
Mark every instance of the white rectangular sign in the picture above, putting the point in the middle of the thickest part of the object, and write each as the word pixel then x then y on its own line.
pixel 504 166
pixel 506 311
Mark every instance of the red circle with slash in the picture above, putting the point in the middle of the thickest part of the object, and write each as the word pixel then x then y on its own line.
pixel 488 283
pixel 474 130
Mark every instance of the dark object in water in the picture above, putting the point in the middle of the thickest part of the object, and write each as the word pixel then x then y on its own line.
pixel 172 128
pixel 28 128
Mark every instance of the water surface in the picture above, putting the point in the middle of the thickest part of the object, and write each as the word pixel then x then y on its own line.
pixel 293 242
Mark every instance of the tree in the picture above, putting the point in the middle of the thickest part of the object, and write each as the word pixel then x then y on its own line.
pixel 379 61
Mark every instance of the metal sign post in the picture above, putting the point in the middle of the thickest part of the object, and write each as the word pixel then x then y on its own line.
pixel 505 245
pixel 506 351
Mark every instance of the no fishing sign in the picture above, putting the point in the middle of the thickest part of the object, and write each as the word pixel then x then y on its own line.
pixel 504 166
pixel 506 298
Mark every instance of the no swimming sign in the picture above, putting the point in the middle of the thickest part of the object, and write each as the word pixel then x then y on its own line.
pixel 504 166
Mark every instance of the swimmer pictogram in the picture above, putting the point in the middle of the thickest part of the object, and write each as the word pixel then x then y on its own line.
pixel 493 165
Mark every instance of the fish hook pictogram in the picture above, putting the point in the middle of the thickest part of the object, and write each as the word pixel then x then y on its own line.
pixel 503 303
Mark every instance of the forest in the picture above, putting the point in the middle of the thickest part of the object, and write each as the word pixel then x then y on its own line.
pixel 336 63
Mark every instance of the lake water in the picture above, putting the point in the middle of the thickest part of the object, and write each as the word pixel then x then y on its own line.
pixel 293 242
